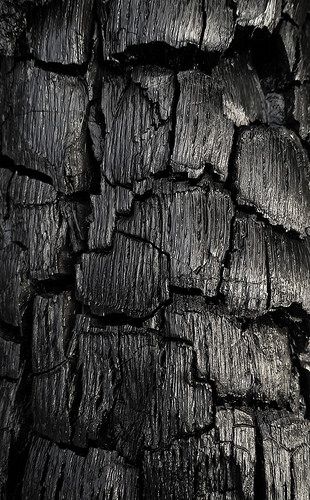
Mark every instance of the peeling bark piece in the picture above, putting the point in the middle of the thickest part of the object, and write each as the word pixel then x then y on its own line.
pixel 262 14
pixel 134 22
pixel 52 471
pixel 61 33
pixel 243 98
pixel 180 405
pixel 53 318
pixel 220 26
pixel 131 279
pixel 15 288
pixel 297 10
pixel 289 274
pixel 50 112
pixel 273 176
pixel 192 225
pixel 203 136
pixel 245 279
pixel 285 441
pixel 218 465
pixel 111 201
pixel 137 136
pixel 10 358
pixel 252 363
pixel 51 402
pixel 303 67
pixel 38 225
pixel 302 110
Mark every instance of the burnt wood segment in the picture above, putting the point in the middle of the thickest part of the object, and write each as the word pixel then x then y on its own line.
pixel 203 135
pixel 244 282
pixel 285 442
pixel 301 111
pixel 137 113
pixel 61 33
pixel 52 471
pixel 273 176
pixel 219 464
pixel 10 357
pixel 133 387
pixel 296 10
pixel 250 363
pixel 189 223
pixel 101 283
pixel 50 112
pixel 38 225
pixel 15 287
pixel 263 14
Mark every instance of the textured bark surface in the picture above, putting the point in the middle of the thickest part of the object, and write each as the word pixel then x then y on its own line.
pixel 155 249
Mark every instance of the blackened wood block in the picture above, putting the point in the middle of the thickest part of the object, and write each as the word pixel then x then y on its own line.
pixel 302 110
pixel 285 443
pixel 303 66
pixel 128 23
pixel 133 387
pixel 244 282
pixel 52 471
pixel 51 401
pixel 10 357
pixel 203 135
pixel 273 176
pixel 106 206
pixel 219 26
pixel 53 318
pixel 50 112
pixel 262 14
pixel 131 279
pixel 61 33
pixel 243 98
pixel 15 288
pixel 190 224
pixel 289 264
pixel 37 224
pixel 219 464
pixel 290 34
pixel 246 363
pixel 137 124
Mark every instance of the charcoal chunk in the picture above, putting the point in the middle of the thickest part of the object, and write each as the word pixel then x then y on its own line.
pixel 245 278
pixel 262 14
pixel 53 318
pixel 129 23
pixel 220 464
pixel 249 363
pixel 285 441
pixel 191 224
pixel 37 224
pixel 302 110
pixel 303 66
pixel 51 402
pixel 203 136
pixel 289 264
pixel 10 358
pixel 220 26
pixel 52 471
pixel 273 176
pixel 15 288
pixel 50 112
pixel 131 279
pixel 137 119
pixel 244 101
pixel 61 33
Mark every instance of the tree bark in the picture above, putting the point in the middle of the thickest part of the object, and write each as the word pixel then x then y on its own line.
pixel 155 249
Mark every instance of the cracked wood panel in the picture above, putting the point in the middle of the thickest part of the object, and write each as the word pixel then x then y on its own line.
pixel 273 176
pixel 52 471
pixel 61 33
pixel 50 112
pixel 252 363
pixel 189 223
pixel 137 111
pixel 218 463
